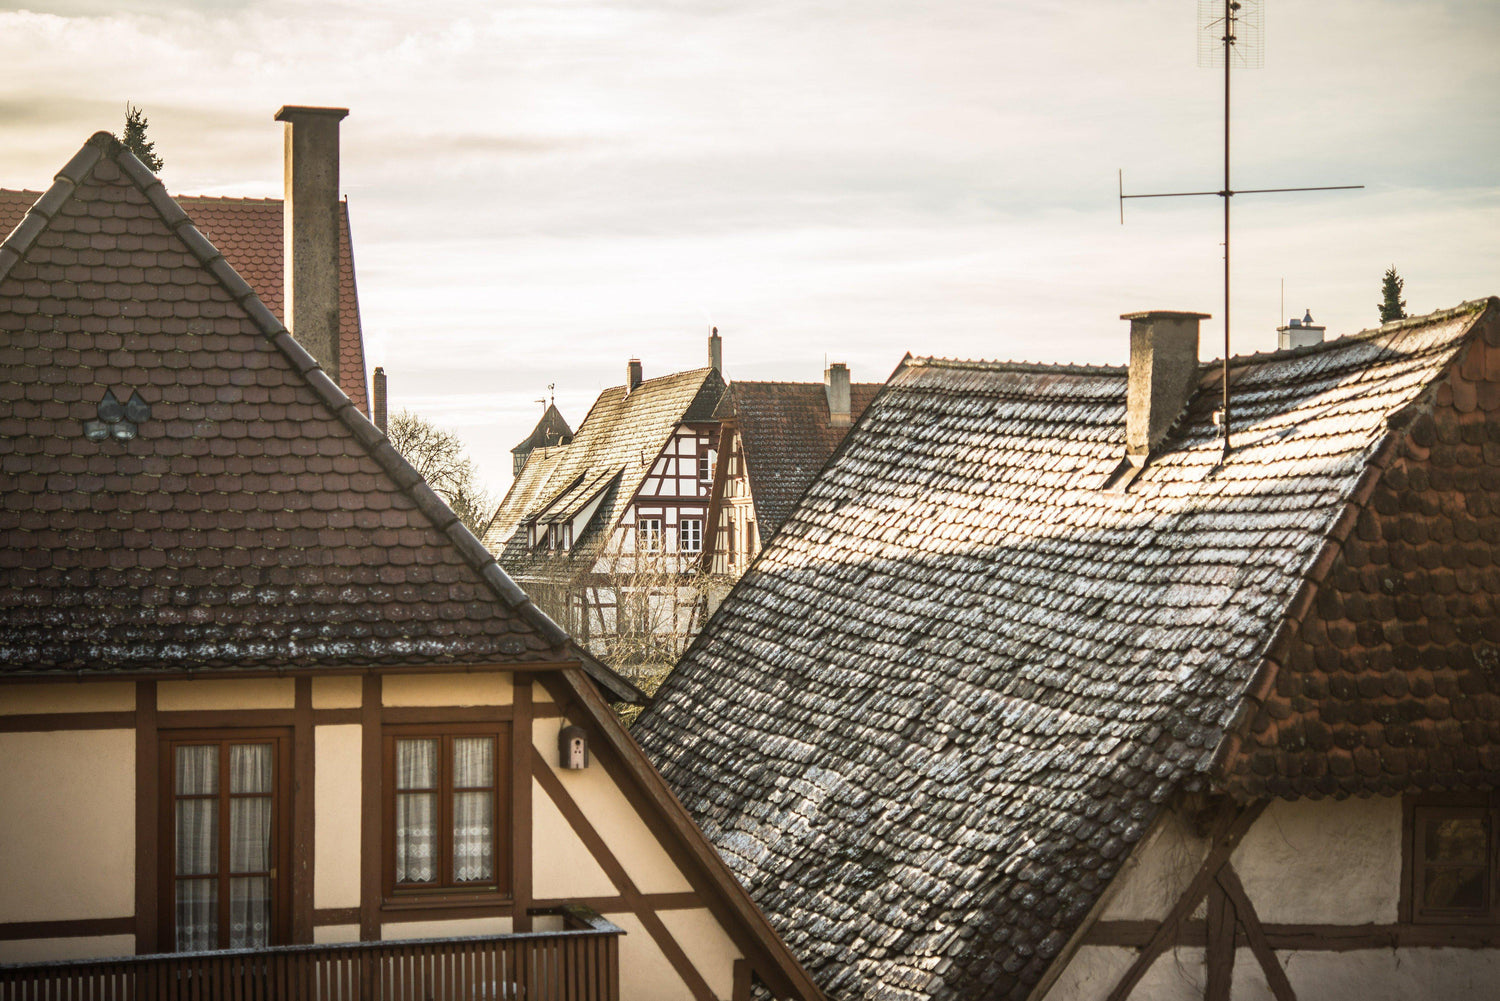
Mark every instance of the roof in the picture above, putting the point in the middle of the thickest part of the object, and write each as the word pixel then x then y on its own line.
pixel 549 431
pixel 248 232
pixel 936 713
pixel 786 437
pixel 258 520
pixel 617 442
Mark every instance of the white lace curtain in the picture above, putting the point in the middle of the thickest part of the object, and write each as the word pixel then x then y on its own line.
pixel 472 772
pixel 198 862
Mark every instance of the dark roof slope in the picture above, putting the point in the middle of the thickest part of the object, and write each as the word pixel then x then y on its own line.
pixel 550 431
pixel 786 436
pixel 257 520
pixel 616 443
pixel 248 232
pixel 936 713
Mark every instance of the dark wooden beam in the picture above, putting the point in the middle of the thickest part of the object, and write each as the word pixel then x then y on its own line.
pixel 1229 882
pixel 1229 826
pixel 1218 957
pixel 520 798
pixel 370 827
pixel 303 807
pixel 147 807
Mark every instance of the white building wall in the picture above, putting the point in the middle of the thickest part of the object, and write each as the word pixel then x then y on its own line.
pixel 1303 863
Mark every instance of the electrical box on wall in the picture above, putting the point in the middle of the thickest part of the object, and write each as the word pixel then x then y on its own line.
pixel 573 747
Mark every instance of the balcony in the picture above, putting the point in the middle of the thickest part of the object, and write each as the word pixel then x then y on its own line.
pixel 579 963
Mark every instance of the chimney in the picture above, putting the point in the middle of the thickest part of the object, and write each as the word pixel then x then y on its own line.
pixel 716 351
pixel 311 230
pixel 632 375
pixel 1163 374
pixel 836 385
pixel 1299 333
pixel 380 398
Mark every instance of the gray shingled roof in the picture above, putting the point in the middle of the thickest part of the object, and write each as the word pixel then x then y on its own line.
pixel 937 712
pixel 621 437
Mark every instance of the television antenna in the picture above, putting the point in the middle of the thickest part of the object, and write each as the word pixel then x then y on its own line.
pixel 1231 34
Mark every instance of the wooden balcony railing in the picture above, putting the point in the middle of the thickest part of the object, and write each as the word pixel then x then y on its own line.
pixel 580 963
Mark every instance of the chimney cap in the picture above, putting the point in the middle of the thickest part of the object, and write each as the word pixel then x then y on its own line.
pixel 290 112
pixel 1178 314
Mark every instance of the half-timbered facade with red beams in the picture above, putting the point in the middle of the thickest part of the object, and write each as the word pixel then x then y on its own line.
pixel 261 691
pixel 1047 691
pixel 607 530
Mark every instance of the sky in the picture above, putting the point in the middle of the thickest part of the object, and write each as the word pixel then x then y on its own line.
pixel 540 191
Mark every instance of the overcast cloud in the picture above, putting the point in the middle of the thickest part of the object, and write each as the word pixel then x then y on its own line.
pixel 540 191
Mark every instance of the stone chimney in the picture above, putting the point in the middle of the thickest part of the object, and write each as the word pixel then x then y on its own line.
pixel 311 230
pixel 1299 333
pixel 632 375
pixel 380 398
pixel 716 351
pixel 836 385
pixel 1163 374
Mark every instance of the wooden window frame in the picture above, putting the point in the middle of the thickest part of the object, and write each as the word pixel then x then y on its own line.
pixel 440 893
pixel 644 538
pixel 1416 808
pixel 281 827
pixel 682 536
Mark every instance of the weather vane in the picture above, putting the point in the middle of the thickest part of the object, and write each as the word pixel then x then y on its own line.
pixel 1231 33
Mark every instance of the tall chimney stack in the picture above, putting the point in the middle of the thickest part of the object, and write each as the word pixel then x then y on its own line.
pixel 716 351
pixel 1163 374
pixel 836 385
pixel 380 398
pixel 311 230
pixel 632 375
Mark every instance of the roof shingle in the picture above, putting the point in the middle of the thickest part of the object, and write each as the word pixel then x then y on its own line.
pixel 960 683
pixel 257 520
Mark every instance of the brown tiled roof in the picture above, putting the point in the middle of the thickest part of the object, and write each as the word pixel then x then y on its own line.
pixel 618 441
pixel 248 232
pixel 786 436
pixel 962 681
pixel 258 520
pixel 550 431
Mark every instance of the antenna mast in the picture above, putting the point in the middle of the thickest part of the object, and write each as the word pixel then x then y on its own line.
pixel 1230 32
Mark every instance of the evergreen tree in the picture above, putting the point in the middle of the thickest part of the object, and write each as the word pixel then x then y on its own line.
pixel 1394 307
pixel 135 138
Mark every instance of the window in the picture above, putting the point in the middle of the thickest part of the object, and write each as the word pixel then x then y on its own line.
pixel 1452 858
pixel 648 534
pixel 692 535
pixel 705 466
pixel 225 841
pixel 447 811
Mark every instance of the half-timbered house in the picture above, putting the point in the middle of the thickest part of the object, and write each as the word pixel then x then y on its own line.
pixel 273 722
pixel 774 439
pixel 607 530
pixel 1049 689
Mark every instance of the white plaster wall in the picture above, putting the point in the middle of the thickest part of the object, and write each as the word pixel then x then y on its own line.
pixel 491 688
pixel 338 692
pixel 239 693
pixel 68 697
pixel 539 694
pixel 67 829
pixel 456 928
pixel 611 814
pixel 336 815
pixel 336 933
pixel 1324 862
pixel 1177 975
pixel 645 972
pixel 1156 872
pixel 1391 975
pixel 41 950
pixel 561 864
pixel 711 951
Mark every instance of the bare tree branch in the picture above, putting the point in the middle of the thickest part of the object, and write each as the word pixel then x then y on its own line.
pixel 438 454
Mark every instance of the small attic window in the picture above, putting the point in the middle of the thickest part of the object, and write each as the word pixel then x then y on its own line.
pixel 120 421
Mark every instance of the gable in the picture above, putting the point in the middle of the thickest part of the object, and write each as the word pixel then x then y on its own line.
pixel 1391 680
pixel 256 520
